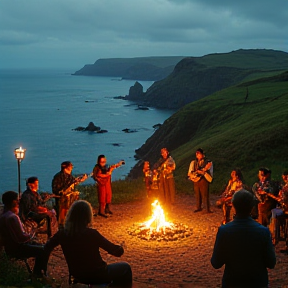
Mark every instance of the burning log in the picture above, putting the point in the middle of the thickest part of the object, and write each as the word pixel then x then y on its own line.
pixel 158 229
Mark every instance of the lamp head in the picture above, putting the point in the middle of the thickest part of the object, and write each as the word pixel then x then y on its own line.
pixel 19 153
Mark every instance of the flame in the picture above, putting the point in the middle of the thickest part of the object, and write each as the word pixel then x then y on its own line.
pixel 157 222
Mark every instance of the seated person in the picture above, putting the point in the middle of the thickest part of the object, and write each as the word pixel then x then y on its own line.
pixel 80 245
pixel 18 243
pixel 32 205
pixel 234 184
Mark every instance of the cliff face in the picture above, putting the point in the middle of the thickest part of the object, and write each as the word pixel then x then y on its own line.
pixel 141 68
pixel 196 77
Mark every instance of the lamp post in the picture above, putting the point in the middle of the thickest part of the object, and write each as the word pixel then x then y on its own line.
pixel 19 155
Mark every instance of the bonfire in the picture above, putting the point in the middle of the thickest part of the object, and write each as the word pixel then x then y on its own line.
pixel 157 228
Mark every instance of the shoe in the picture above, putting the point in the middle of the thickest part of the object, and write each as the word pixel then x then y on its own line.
pixel 102 215
pixel 197 210
pixel 109 212
pixel 209 211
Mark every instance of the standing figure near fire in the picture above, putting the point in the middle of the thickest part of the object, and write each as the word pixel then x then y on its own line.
pixel 102 176
pixel 165 167
pixel 235 184
pixel 201 173
pixel 63 184
pixel 148 178
pixel 265 191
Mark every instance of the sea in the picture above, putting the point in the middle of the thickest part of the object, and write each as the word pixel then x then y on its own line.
pixel 39 110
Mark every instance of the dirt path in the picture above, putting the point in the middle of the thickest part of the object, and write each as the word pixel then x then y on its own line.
pixel 181 263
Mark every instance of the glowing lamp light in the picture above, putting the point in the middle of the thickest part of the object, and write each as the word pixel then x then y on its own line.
pixel 19 153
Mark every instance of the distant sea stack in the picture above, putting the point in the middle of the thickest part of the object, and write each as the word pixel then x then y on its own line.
pixel 139 68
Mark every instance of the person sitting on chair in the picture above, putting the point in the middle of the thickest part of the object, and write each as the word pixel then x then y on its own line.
pixel 80 244
pixel 18 243
pixel 32 205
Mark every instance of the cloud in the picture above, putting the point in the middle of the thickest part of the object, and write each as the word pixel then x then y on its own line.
pixel 129 28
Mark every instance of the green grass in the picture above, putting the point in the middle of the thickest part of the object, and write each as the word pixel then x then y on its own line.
pixel 234 133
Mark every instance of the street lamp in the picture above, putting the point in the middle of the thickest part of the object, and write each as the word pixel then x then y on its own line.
pixel 19 155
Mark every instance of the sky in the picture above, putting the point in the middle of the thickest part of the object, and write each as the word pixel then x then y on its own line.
pixel 72 33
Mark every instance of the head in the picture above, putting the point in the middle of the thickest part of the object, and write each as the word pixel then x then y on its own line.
pixel 264 174
pixel 101 160
pixel 236 174
pixel 164 153
pixel 285 176
pixel 10 201
pixel 32 183
pixel 67 167
pixel 79 217
pixel 243 202
pixel 199 154
pixel 146 165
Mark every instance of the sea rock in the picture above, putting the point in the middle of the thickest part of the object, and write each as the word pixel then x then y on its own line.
pixel 91 128
pixel 126 130
pixel 156 126
pixel 141 107
pixel 102 131
pixel 135 91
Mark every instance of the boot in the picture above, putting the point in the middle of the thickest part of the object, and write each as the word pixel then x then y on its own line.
pixel 107 209
pixel 101 210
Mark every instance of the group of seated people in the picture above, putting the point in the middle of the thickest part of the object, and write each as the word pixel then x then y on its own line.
pixel 271 199
pixel 79 241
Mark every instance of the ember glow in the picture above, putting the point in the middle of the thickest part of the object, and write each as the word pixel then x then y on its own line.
pixel 157 221
pixel 157 228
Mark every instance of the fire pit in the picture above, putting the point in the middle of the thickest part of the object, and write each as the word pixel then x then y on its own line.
pixel 157 228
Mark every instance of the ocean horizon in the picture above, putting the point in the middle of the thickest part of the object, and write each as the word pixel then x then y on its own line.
pixel 41 107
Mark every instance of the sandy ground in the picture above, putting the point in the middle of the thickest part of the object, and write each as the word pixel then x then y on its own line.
pixel 181 263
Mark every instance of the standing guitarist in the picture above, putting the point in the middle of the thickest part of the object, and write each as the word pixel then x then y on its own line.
pixel 63 185
pixel 201 173
pixel 265 191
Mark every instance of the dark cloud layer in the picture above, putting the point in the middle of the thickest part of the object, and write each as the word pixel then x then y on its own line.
pixel 76 32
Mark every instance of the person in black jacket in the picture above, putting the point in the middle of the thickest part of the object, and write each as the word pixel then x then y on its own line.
pixel 80 244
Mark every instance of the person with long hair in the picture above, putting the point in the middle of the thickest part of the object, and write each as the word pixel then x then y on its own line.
pixel 80 244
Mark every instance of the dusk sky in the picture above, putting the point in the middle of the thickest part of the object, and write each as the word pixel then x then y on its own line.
pixel 71 33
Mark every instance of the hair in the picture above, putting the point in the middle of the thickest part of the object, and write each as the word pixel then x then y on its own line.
pixel 238 173
pixel 79 217
pixel 8 197
pixel 65 165
pixel 285 172
pixel 31 180
pixel 99 158
pixel 243 202
pixel 165 149
pixel 200 150
pixel 265 170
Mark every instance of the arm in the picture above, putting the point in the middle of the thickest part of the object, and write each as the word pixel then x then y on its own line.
pixel 52 242
pixel 217 259
pixel 16 230
pixel 115 250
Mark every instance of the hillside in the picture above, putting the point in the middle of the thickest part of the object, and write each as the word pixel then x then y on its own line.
pixel 196 77
pixel 139 68
pixel 233 132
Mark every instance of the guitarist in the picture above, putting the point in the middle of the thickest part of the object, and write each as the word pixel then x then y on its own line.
pixel 262 189
pixel 201 173
pixel 102 176
pixel 63 185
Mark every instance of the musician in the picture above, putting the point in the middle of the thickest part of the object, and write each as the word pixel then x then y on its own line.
pixel 280 213
pixel 33 207
pixel 235 184
pixel 165 167
pixel 17 242
pixel 102 176
pixel 63 184
pixel 199 171
pixel 148 178
pixel 265 191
